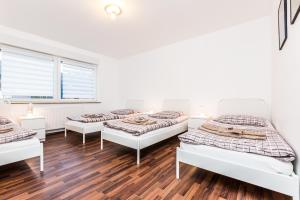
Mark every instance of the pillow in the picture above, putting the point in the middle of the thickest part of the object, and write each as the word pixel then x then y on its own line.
pixel 123 112
pixel 166 115
pixel 4 121
pixel 93 115
pixel 246 120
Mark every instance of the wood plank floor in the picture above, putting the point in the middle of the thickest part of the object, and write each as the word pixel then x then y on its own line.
pixel 74 171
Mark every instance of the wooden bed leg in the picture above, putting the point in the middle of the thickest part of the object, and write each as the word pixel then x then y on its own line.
pixel 101 142
pixel 83 138
pixel 65 133
pixel 42 158
pixel 177 164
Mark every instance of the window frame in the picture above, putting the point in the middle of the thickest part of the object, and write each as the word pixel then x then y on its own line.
pixel 79 64
pixel 57 60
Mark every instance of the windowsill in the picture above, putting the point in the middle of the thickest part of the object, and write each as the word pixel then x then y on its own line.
pixel 55 102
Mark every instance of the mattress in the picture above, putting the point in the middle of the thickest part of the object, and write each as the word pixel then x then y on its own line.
pixel 84 127
pixel 147 139
pixel 260 162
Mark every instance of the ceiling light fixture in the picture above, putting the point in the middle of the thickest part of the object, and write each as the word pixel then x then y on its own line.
pixel 112 10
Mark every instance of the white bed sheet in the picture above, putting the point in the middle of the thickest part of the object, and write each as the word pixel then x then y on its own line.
pixel 260 162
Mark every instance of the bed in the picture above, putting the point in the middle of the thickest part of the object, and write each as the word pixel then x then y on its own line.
pixel 22 149
pixel 263 171
pixel 86 128
pixel 152 137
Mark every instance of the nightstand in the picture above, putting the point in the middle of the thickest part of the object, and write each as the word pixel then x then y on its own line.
pixel 36 123
pixel 196 121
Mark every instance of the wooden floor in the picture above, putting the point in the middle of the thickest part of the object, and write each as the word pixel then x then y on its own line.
pixel 74 171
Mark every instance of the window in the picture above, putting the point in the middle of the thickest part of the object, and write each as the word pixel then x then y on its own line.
pixel 77 81
pixel 27 76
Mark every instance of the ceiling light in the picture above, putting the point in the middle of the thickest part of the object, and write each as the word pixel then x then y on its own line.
pixel 112 10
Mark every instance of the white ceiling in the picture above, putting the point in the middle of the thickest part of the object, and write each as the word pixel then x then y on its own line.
pixel 143 25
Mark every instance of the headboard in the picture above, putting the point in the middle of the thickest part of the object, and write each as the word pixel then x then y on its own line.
pixel 182 105
pixel 251 106
pixel 135 104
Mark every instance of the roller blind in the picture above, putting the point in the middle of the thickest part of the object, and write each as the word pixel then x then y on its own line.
pixel 78 80
pixel 27 75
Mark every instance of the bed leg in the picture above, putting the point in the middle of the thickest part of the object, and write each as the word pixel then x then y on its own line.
pixel 138 153
pixel 297 193
pixel 83 138
pixel 65 133
pixel 42 158
pixel 177 165
pixel 101 141
pixel 138 157
pixel 296 197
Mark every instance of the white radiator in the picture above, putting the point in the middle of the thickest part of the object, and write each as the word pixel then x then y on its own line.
pixel 56 115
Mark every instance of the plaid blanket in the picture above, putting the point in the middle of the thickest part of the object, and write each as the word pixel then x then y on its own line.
pixel 90 118
pixel 166 115
pixel 137 130
pixel 247 120
pixel 123 112
pixel 274 145
pixel 93 115
pixel 86 119
pixel 16 134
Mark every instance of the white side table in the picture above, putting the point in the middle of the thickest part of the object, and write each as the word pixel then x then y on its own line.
pixel 196 121
pixel 36 123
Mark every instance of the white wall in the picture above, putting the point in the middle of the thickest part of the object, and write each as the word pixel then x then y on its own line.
pixel 234 62
pixel 108 78
pixel 286 83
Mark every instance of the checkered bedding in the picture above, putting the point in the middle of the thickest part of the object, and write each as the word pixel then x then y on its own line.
pixel 274 145
pixel 166 115
pixel 16 134
pixel 137 130
pixel 247 120
pixel 123 112
pixel 102 118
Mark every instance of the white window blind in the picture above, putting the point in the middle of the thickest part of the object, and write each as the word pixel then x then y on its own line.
pixel 78 80
pixel 27 75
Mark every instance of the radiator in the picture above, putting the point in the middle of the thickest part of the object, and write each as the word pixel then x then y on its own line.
pixel 56 115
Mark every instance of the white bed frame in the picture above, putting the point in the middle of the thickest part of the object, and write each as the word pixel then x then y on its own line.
pixel 86 128
pixel 285 184
pixel 153 137
pixel 19 150
pixel 83 128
